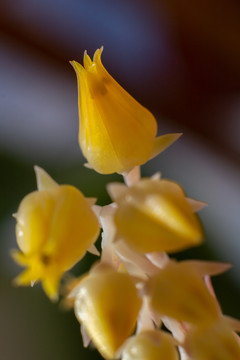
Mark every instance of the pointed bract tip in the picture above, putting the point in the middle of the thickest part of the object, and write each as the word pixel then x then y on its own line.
pixel 116 190
pixel 44 181
pixel 162 142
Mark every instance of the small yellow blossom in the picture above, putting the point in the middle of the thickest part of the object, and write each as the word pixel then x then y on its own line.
pixel 154 215
pixel 107 305
pixel 116 133
pixel 213 342
pixel 178 291
pixel 150 345
pixel 55 227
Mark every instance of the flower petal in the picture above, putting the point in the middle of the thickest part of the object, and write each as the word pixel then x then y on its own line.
pixel 213 342
pixel 116 133
pixel 154 215
pixel 108 316
pixel 150 345
pixel 178 291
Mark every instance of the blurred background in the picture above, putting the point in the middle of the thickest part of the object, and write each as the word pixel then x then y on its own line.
pixel 181 59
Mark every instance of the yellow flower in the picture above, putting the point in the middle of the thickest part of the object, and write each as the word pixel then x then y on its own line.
pixel 178 291
pixel 213 342
pixel 116 133
pixel 55 227
pixel 150 345
pixel 107 305
pixel 154 215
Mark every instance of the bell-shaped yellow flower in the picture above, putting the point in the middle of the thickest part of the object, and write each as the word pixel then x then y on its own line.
pixel 116 133
pixel 55 227
pixel 107 305
pixel 150 345
pixel 154 215
pixel 178 291
pixel 214 342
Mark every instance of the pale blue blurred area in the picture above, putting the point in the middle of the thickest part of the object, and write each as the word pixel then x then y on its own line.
pixel 37 107
pixel 127 29
pixel 39 125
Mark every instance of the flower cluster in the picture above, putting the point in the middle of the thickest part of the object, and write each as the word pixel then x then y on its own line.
pixel 135 303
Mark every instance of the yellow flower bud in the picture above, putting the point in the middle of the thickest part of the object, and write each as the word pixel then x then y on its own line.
pixel 178 291
pixel 116 133
pixel 107 305
pixel 150 345
pixel 214 342
pixel 55 227
pixel 154 215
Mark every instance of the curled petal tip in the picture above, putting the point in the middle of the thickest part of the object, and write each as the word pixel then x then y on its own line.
pixel 87 62
pixel 97 54
pixel 78 68
pixel 73 63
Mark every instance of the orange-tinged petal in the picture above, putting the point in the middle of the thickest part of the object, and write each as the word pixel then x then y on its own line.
pixel 107 305
pixel 154 215
pixel 150 345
